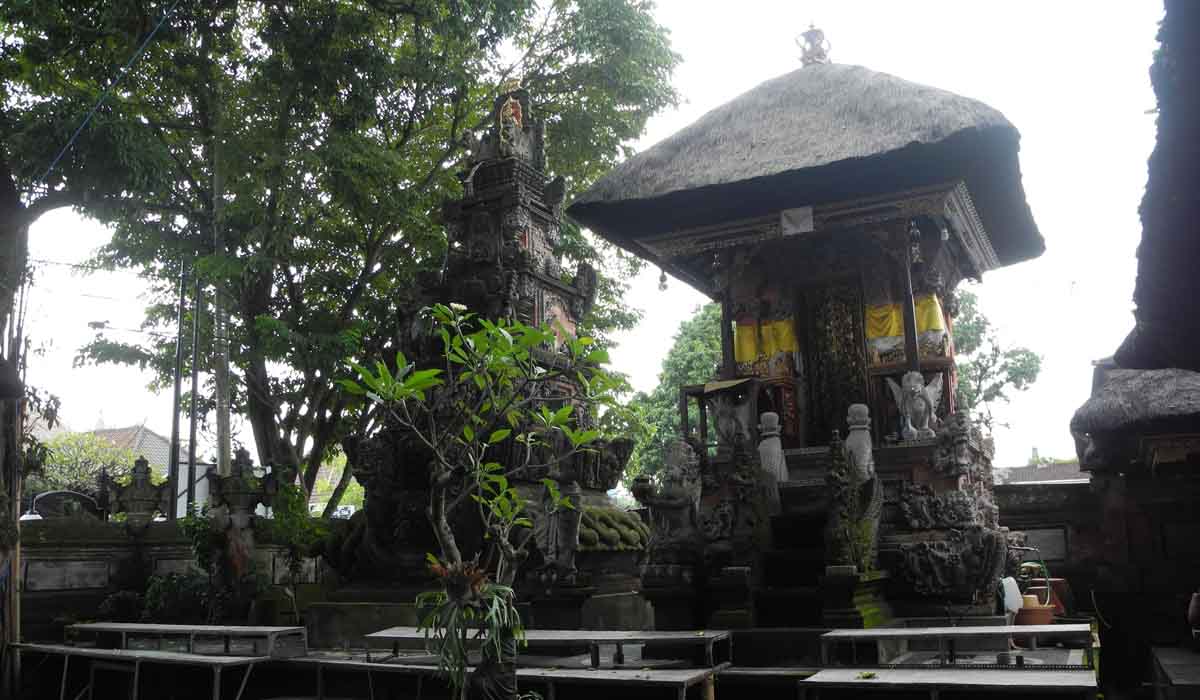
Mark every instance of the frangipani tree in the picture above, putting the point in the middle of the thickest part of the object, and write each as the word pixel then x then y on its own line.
pixel 508 401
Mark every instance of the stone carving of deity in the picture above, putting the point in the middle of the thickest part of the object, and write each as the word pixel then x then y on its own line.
pixel 675 505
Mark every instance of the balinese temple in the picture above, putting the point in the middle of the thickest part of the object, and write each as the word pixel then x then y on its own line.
pixel 832 212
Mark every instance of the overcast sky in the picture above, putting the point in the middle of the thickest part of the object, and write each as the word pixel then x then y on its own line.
pixel 1071 77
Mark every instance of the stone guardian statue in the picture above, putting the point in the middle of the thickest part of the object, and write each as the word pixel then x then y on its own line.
pixel 917 403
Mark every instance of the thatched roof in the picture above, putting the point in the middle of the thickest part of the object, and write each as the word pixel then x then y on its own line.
pixel 820 134
pixel 1168 328
pixel 1131 399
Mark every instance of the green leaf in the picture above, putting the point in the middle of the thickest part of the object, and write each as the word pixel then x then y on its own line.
pixel 498 435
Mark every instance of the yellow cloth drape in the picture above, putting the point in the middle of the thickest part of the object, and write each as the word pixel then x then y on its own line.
pixel 752 341
pixel 887 320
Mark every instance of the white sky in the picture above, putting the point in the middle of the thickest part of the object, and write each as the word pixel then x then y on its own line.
pixel 1071 75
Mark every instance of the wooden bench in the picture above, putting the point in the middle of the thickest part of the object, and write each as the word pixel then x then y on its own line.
pixel 947 636
pixel 710 640
pixel 131 660
pixel 276 642
pixel 1080 684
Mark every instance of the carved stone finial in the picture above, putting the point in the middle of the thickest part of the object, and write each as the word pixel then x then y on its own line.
pixel 815 46
pixel 140 499
pixel 859 449
pixel 771 459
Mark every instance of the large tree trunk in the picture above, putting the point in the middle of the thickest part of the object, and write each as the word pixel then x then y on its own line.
pixel 14 241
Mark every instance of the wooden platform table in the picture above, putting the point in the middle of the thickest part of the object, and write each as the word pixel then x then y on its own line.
pixel 713 641
pixel 131 661
pixel 933 681
pixel 946 637
pixel 1176 673
pixel 675 681
pixel 277 642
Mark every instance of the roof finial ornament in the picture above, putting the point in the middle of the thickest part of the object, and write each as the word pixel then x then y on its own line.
pixel 815 46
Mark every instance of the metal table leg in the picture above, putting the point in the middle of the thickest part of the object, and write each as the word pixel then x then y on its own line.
pixel 216 695
pixel 245 677
pixel 62 688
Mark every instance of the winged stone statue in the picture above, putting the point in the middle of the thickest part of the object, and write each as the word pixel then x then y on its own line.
pixel 918 403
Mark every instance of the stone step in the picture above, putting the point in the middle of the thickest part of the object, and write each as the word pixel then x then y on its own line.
pixel 791 606
pixel 777 646
pixel 798 531
pixel 793 567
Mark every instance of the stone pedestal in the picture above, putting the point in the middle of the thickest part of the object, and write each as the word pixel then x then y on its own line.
pixel 852 600
pixel 617 611
pixel 561 608
pixel 333 624
pixel 674 607
pixel 731 596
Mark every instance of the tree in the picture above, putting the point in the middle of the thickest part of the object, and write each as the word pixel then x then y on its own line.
pixel 74 462
pixel 693 358
pixel 988 370
pixel 294 156
pixel 493 412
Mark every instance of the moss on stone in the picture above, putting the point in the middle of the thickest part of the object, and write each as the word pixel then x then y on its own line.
pixel 611 529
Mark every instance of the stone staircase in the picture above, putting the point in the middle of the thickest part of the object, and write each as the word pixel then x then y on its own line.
pixel 789 593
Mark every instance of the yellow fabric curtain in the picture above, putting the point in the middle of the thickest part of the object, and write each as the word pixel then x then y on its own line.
pixel 887 320
pixel 752 341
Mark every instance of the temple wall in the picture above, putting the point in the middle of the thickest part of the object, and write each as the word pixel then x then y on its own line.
pixel 1065 522
pixel 70 565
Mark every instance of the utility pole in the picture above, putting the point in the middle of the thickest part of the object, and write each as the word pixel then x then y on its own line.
pixel 173 459
pixel 220 315
pixel 197 305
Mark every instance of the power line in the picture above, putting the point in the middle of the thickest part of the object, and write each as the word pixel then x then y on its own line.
pixel 107 90
pixel 81 266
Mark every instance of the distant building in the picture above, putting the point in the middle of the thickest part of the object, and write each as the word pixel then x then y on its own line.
pixel 1041 473
pixel 143 442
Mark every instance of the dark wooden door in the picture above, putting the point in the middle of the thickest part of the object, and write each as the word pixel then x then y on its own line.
pixel 834 355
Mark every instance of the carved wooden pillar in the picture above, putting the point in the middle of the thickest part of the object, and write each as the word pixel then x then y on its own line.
pixel 728 366
pixel 912 357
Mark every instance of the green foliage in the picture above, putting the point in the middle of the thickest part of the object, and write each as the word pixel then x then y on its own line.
pixel 494 412
pixel 73 462
pixel 450 621
pixel 333 132
pixel 988 370
pixel 354 495
pixel 291 526
pixel 693 358
pixel 207 540
pixel 177 599
pixel 121 606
